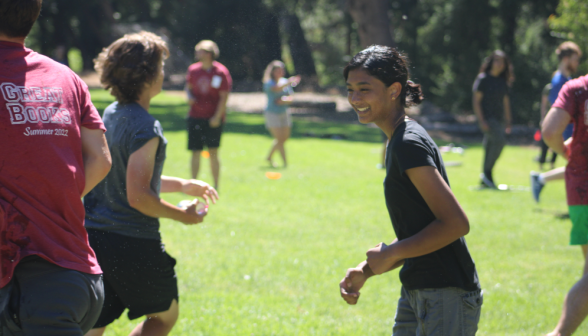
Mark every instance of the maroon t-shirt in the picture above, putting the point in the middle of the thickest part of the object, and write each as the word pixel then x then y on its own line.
pixel 43 105
pixel 573 98
pixel 206 85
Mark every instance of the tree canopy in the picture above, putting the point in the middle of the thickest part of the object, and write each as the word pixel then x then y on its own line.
pixel 446 40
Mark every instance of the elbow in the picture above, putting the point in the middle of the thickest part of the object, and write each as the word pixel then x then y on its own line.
pixel 549 134
pixel 135 202
pixel 463 226
pixel 105 166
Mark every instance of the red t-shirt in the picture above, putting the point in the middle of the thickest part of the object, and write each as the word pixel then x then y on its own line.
pixel 43 105
pixel 206 85
pixel 573 98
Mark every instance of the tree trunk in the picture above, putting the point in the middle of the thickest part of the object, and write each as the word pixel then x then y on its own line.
pixel 299 48
pixel 373 24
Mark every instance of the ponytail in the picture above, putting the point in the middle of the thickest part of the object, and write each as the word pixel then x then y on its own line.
pixel 414 94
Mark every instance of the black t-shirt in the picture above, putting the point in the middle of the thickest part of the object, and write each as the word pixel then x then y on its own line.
pixel 129 127
pixel 494 90
pixel 451 266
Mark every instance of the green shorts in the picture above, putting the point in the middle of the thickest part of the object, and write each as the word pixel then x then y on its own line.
pixel 579 217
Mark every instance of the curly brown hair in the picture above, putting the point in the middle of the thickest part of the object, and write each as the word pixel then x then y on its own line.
pixel 130 63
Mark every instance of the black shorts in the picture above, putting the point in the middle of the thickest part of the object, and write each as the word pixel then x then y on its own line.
pixel 138 275
pixel 200 134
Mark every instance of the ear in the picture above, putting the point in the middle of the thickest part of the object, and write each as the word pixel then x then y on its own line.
pixel 394 90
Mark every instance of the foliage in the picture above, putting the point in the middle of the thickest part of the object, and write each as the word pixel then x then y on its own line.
pixel 571 23
pixel 446 40
pixel 270 255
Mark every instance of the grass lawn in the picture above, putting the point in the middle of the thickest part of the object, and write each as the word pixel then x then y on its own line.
pixel 269 256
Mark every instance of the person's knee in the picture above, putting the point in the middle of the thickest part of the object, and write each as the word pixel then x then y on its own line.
pixel 167 318
pixel 213 153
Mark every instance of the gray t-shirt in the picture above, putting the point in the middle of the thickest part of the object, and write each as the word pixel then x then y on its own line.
pixel 129 127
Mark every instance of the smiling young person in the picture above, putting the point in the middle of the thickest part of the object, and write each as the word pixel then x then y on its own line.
pixel 441 293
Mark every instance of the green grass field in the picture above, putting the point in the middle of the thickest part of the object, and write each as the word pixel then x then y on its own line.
pixel 269 256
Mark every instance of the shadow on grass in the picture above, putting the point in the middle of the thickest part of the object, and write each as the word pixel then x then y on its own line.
pixel 172 117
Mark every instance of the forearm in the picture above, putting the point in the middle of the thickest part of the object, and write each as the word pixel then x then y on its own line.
pixel 478 112
pixel 507 115
pixel 556 143
pixel 433 237
pixel 222 107
pixel 171 184
pixel 149 204
pixel 95 170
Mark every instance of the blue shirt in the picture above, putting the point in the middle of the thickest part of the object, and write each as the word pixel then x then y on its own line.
pixel 273 96
pixel 557 83
pixel 129 127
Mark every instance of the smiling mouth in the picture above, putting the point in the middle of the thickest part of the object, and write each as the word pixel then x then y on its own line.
pixel 362 109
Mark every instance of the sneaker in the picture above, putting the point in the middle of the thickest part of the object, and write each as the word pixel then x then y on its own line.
pixel 536 185
pixel 486 182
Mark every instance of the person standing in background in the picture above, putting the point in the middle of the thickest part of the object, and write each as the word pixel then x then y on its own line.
pixel 279 96
pixel 208 84
pixel 492 108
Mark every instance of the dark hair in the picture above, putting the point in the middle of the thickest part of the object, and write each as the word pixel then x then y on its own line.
pixel 506 74
pixel 17 17
pixel 129 63
pixel 567 49
pixel 388 66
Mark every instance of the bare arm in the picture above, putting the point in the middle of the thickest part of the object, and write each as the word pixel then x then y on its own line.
pixel 294 80
pixel 450 224
pixel 507 113
pixel 191 187
pixel 139 193
pixel 544 107
pixel 96 156
pixel 188 90
pixel 552 129
pixel 477 106
pixel 221 109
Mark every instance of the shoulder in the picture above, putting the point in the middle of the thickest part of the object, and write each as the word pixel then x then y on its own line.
pixel 220 67
pixel 412 134
pixel 195 67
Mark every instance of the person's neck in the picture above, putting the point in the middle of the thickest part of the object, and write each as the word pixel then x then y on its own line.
pixel 390 124
pixel 564 70
pixel 20 40
pixel 144 100
pixel 206 65
pixel 495 73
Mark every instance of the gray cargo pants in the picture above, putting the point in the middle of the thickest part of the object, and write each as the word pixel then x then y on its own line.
pixel 494 141
pixel 438 312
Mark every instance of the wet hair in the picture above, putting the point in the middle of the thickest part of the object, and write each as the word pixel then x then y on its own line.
pixel 269 70
pixel 389 66
pixel 129 63
pixel 17 17
pixel 567 49
pixel 507 72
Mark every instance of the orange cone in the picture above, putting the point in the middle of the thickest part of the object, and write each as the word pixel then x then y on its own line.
pixel 273 175
pixel 205 154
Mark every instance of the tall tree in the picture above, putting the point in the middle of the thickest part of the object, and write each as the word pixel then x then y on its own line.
pixel 373 23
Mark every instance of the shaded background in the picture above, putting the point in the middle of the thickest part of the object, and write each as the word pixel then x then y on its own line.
pixel 446 40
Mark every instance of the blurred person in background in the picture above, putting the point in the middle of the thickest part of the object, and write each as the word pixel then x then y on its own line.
pixel 53 153
pixel 208 84
pixel 278 90
pixel 123 211
pixel 568 54
pixel 491 105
